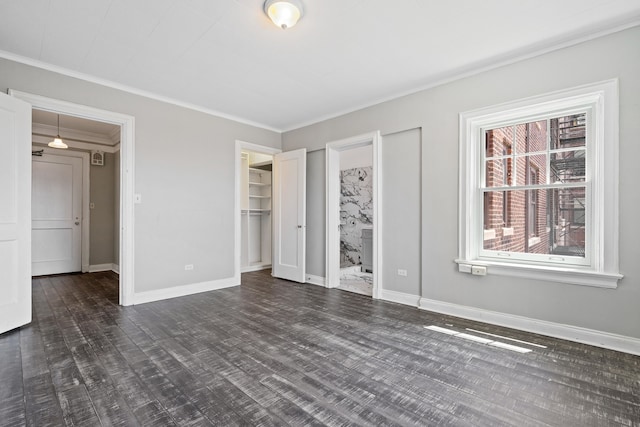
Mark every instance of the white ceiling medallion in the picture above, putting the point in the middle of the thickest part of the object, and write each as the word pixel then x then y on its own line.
pixel 284 13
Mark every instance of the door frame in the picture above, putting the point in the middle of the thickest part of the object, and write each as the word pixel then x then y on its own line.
pixel 85 227
pixel 248 146
pixel 333 149
pixel 127 176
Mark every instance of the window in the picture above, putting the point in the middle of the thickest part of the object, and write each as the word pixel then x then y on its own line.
pixel 538 187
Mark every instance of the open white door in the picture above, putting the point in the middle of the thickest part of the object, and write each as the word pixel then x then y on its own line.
pixel 56 211
pixel 289 215
pixel 15 213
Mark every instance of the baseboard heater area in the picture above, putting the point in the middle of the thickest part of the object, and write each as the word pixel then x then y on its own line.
pixel 486 341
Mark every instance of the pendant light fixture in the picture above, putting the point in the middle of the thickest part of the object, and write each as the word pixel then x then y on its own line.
pixel 284 13
pixel 57 141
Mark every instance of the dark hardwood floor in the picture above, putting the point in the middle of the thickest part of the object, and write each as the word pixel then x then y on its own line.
pixel 272 352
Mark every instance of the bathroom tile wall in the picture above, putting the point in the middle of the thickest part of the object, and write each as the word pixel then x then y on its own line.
pixel 356 212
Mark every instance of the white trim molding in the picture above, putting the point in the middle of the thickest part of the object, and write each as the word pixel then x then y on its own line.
pixel 250 268
pixel 127 175
pixel 599 267
pixel 316 280
pixel 557 330
pixel 400 298
pixel 96 268
pixel 183 290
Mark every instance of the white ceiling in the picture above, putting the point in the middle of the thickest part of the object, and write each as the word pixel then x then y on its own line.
pixel 225 57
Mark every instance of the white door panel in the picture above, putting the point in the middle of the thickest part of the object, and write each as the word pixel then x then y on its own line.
pixel 15 213
pixel 289 215
pixel 56 215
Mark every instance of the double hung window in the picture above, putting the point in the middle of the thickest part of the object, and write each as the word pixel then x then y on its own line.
pixel 538 187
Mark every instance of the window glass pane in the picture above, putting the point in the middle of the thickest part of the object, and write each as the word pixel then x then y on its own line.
pixel 499 142
pixel 550 222
pixel 568 131
pixel 536 136
pixel 568 166
pixel 499 172
pixel 520 138
pixel 526 165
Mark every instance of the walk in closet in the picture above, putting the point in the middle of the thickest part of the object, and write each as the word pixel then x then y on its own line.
pixel 255 215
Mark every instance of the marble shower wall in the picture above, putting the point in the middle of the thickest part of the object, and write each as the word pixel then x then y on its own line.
pixel 356 212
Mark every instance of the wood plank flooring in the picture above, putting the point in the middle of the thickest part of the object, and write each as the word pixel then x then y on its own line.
pixel 272 352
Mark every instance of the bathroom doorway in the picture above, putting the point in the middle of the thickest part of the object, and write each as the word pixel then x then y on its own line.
pixel 353 222
pixel 356 220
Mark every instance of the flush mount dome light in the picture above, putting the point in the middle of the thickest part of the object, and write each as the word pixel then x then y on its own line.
pixel 284 13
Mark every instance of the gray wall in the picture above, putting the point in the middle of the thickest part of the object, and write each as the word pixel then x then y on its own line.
pixel 436 111
pixel 401 211
pixel 184 170
pixel 102 216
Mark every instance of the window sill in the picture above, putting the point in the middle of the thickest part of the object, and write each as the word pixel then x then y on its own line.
pixel 573 276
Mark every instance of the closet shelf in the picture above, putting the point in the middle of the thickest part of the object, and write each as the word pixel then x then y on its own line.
pixel 259 184
pixel 252 196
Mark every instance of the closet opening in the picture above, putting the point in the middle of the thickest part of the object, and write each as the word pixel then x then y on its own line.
pixel 255 210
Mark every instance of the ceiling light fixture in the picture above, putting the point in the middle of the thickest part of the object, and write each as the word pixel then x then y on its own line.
pixel 284 13
pixel 57 141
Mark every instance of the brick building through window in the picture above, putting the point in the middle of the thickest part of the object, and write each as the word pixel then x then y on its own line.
pixel 519 217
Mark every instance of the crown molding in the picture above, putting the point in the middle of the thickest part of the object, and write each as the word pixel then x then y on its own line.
pixel 129 89
pixel 492 63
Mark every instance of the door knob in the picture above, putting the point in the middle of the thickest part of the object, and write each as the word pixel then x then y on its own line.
pixel 77 223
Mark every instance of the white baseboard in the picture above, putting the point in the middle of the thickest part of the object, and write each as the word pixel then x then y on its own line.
pixel 180 291
pixel 557 330
pixel 251 268
pixel 103 267
pixel 316 280
pixel 400 297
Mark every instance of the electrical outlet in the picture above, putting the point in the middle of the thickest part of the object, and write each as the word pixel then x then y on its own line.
pixel 402 272
pixel 464 268
pixel 479 271
pixel 188 267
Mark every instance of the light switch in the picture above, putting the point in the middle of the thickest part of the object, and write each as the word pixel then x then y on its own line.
pixel 137 198
pixel 92 205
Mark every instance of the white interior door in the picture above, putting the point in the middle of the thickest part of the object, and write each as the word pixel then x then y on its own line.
pixel 15 213
pixel 289 215
pixel 56 203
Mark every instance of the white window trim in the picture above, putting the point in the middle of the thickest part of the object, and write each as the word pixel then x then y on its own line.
pixel 602 97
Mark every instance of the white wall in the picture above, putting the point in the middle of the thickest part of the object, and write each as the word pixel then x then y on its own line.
pixel 359 157
pixel 184 164
pixel 435 111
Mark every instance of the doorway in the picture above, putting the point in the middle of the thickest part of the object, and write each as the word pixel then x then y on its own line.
pixel 255 210
pixel 356 220
pixel 59 223
pixel 125 175
pixel 285 206
pixel 253 207
pixel 75 195
pixel 353 214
